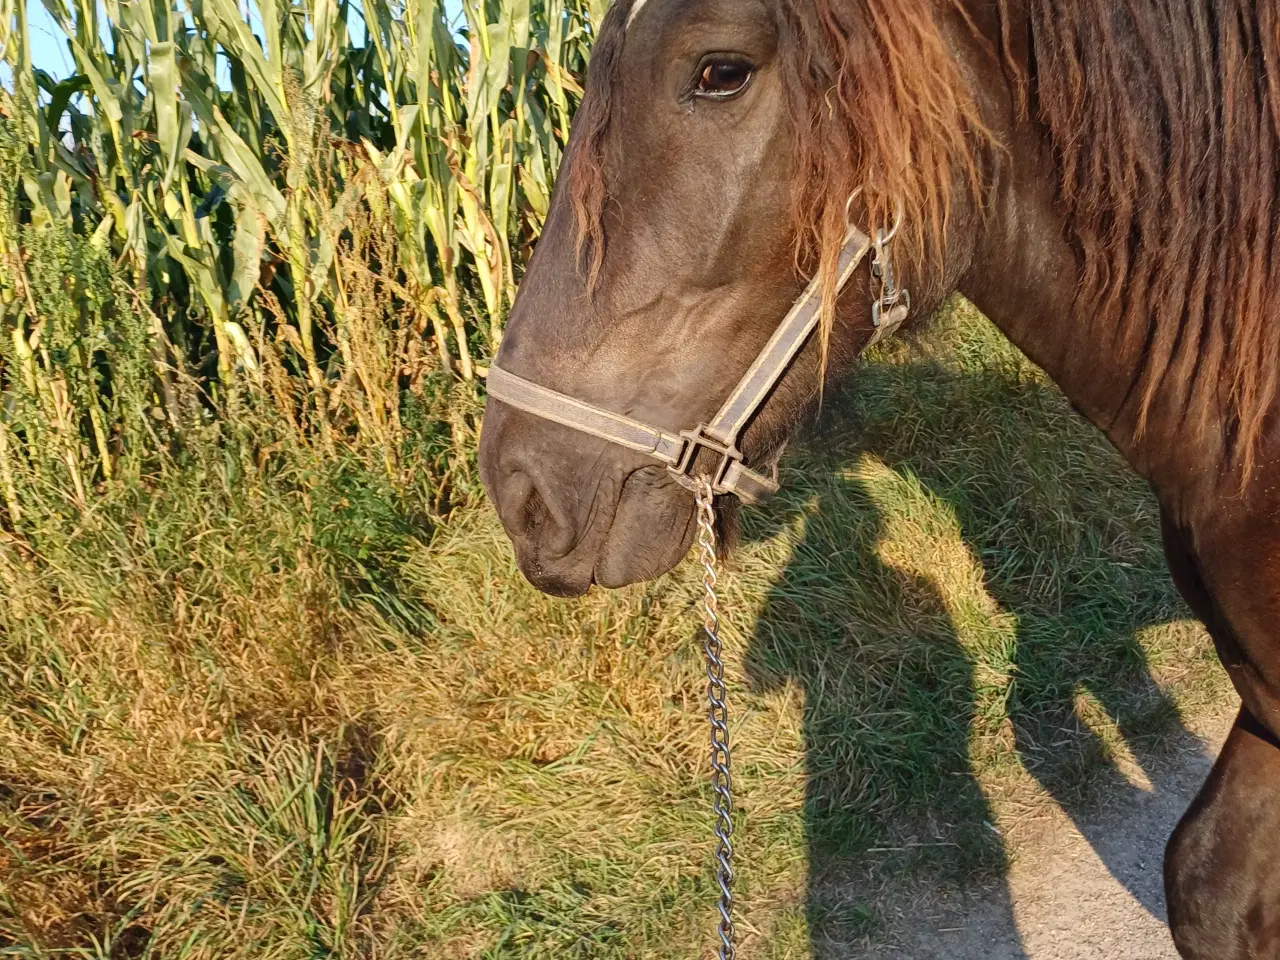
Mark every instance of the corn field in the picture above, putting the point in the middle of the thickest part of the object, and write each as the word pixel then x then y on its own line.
pixel 313 212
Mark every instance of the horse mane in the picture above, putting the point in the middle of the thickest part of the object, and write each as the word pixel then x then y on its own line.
pixel 881 108
pixel 1164 118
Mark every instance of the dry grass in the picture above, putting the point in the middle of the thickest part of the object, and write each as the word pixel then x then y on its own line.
pixel 251 716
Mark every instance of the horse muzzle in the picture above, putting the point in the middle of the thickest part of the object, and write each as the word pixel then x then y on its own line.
pixel 581 511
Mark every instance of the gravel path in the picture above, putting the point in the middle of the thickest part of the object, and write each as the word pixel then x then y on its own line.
pixel 1078 890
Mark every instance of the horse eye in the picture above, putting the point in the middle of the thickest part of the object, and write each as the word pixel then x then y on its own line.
pixel 723 78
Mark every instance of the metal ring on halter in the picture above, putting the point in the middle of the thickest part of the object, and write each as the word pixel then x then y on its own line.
pixel 883 238
pixel 848 218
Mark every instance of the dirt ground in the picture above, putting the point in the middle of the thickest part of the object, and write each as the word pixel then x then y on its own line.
pixel 1089 889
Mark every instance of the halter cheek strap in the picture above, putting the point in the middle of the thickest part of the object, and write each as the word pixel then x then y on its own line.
pixel 721 436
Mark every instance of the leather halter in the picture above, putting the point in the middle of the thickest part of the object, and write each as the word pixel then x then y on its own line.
pixel 721 435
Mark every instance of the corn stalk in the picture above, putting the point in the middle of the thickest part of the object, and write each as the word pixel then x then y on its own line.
pixel 239 181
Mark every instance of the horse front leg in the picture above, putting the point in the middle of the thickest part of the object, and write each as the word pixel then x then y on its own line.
pixel 1222 864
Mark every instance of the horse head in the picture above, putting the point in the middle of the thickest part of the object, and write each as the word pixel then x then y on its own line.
pixel 718 156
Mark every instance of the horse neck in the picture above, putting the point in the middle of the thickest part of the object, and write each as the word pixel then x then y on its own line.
pixel 1183 353
pixel 1025 274
pixel 1025 277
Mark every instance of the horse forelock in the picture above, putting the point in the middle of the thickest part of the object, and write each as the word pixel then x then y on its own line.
pixel 584 164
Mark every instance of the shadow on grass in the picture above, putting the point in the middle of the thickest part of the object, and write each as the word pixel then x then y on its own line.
pixel 971 569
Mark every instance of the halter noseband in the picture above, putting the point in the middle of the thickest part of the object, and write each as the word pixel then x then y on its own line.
pixel 721 435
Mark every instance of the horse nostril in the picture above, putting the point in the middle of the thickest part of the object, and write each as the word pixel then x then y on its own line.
pixel 532 518
pixel 520 503
pixel 535 509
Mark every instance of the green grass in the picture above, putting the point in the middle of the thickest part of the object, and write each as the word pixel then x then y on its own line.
pixel 311 712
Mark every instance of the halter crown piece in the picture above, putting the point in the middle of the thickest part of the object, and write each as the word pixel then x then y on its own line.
pixel 679 451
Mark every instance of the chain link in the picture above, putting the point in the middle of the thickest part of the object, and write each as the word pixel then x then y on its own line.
pixel 718 713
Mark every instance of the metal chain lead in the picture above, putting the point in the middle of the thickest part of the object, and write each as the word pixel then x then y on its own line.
pixel 718 713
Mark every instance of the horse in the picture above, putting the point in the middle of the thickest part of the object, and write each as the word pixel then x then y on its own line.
pixel 1101 178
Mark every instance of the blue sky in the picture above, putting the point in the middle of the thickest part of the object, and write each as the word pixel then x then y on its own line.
pixel 49 47
pixel 48 44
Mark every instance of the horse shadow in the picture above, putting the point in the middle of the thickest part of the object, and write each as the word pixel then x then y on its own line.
pixel 971 568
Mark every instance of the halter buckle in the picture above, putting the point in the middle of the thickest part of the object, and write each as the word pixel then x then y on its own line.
pixel 699 439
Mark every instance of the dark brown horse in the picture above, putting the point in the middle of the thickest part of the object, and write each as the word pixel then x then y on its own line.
pixel 1099 176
